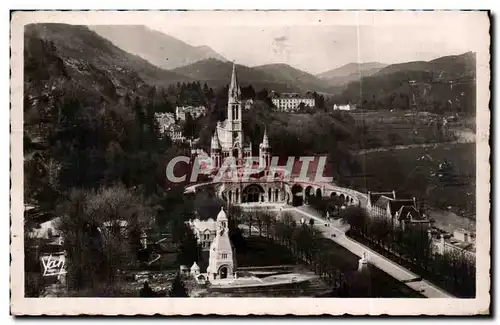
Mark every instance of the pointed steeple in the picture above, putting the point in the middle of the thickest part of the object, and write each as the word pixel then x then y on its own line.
pixel 215 141
pixel 265 140
pixel 234 87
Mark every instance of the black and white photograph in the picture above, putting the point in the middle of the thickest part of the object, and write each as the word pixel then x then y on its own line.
pixel 271 154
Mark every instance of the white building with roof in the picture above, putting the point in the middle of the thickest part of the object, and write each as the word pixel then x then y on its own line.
pixel 213 235
pixel 164 120
pixel 205 231
pixel 175 133
pixel 290 102
pixel 194 111
pixel 347 107
pixel 222 260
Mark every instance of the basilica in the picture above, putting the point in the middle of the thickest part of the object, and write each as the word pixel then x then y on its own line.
pixel 228 139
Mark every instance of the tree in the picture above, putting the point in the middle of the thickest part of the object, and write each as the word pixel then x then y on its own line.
pixel 146 291
pixel 95 226
pixel 178 289
pixel 319 100
pixel 248 92
pixel 189 126
pixel 189 249
pixel 356 217
pixel 32 268
pixel 267 220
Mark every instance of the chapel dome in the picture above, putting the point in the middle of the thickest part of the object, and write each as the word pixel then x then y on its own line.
pixel 221 215
pixel 195 267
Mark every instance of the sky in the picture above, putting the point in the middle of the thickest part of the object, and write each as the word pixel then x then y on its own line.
pixel 319 47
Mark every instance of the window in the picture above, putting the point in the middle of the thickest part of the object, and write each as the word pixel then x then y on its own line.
pixel 224 255
pixel 235 110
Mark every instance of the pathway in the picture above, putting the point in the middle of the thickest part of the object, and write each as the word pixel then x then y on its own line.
pixel 395 270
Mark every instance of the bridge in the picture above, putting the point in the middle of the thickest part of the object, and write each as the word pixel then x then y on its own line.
pixel 291 192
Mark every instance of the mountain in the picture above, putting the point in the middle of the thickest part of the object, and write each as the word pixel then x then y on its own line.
pixel 441 85
pixel 283 73
pixel 277 77
pixel 89 60
pixel 446 67
pixel 350 72
pixel 160 49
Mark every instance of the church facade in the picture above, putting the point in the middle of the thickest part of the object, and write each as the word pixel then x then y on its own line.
pixel 228 139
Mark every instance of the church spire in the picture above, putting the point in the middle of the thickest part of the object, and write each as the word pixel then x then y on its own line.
pixel 234 87
pixel 215 141
pixel 265 139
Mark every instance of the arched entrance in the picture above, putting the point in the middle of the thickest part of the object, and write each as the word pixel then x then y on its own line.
pixel 235 153
pixel 318 193
pixel 251 193
pixel 297 195
pixel 308 193
pixel 223 272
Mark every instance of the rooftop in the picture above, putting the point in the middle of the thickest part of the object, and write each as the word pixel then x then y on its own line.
pixel 395 205
pixel 292 95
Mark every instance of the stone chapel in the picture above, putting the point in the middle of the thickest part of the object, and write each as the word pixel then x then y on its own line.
pixel 222 260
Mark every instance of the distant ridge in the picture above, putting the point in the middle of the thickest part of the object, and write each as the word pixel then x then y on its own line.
pixel 158 48
pixel 278 77
pixel 350 72
pixel 446 84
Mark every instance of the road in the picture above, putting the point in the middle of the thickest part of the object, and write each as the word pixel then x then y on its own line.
pixel 336 232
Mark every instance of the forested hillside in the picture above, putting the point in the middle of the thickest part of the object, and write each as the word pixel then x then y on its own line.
pixel 277 77
pixel 445 85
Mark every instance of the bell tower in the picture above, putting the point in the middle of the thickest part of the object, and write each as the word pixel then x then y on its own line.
pixel 221 263
pixel 234 115
pixel 265 151
pixel 216 150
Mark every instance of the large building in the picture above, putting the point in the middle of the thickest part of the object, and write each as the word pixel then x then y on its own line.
pixel 228 138
pixel 290 102
pixel 347 107
pixel 194 111
pixel 400 212
pixel 461 242
pixel 205 231
pixel 164 120
pixel 174 131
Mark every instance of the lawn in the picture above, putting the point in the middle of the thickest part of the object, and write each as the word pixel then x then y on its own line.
pixel 415 172
pixel 385 128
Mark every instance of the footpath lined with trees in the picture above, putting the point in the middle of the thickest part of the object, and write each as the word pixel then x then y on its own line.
pixel 410 247
pixel 309 247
